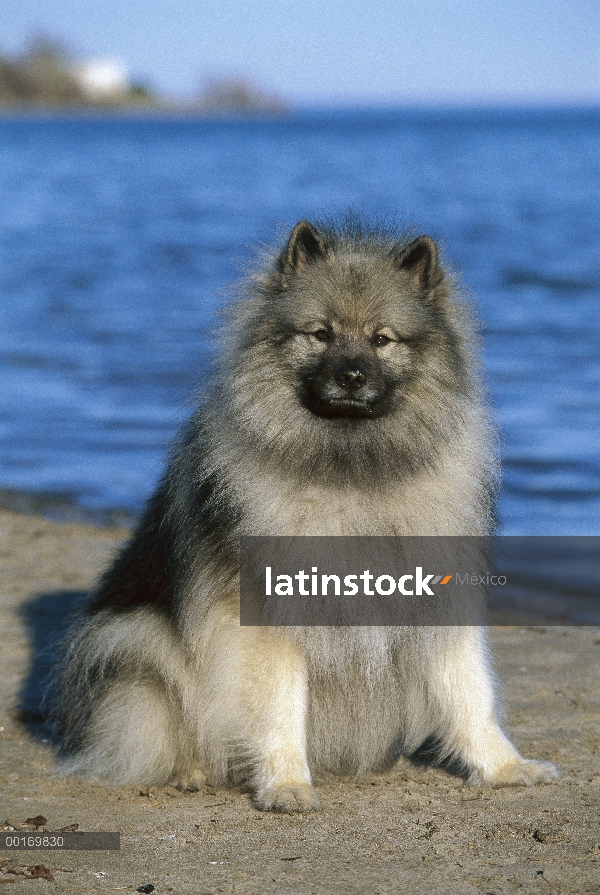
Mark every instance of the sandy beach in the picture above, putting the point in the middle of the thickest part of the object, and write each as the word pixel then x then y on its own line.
pixel 416 829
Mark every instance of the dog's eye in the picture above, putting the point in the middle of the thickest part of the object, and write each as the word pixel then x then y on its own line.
pixel 322 335
pixel 380 340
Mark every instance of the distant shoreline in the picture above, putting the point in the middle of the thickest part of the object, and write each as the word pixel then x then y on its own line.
pixel 133 112
pixel 184 112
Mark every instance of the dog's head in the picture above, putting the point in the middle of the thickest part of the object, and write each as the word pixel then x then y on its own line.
pixel 355 321
pixel 350 355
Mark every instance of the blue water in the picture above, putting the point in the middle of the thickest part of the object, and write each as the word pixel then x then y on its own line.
pixel 117 235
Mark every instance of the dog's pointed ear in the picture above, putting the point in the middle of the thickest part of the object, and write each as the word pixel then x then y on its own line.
pixel 420 260
pixel 304 246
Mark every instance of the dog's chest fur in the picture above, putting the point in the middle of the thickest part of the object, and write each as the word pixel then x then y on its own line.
pixel 436 503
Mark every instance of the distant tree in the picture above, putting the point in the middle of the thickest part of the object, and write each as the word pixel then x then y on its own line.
pixel 46 65
pixel 238 96
pixel 141 92
pixel 13 84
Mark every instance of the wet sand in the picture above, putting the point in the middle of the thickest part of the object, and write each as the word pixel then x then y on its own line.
pixel 414 830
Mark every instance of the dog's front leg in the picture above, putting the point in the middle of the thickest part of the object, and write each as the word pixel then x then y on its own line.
pixel 462 687
pixel 260 699
pixel 279 696
pixel 282 778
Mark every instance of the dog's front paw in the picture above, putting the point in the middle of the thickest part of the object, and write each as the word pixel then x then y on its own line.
pixel 192 780
pixel 522 772
pixel 287 798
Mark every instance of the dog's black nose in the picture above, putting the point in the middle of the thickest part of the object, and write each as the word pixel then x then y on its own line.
pixel 350 377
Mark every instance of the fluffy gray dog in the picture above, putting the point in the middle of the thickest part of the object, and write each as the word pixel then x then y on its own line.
pixel 346 402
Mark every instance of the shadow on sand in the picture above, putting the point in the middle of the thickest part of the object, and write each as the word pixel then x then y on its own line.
pixel 48 617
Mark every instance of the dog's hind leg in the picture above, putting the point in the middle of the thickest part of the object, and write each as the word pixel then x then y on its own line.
pixel 121 703
pixel 131 736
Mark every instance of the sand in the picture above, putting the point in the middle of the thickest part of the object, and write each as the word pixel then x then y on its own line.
pixel 416 829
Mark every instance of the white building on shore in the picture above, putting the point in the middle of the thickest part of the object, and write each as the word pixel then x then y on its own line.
pixel 102 78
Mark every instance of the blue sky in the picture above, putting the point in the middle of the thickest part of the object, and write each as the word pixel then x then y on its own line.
pixel 341 51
